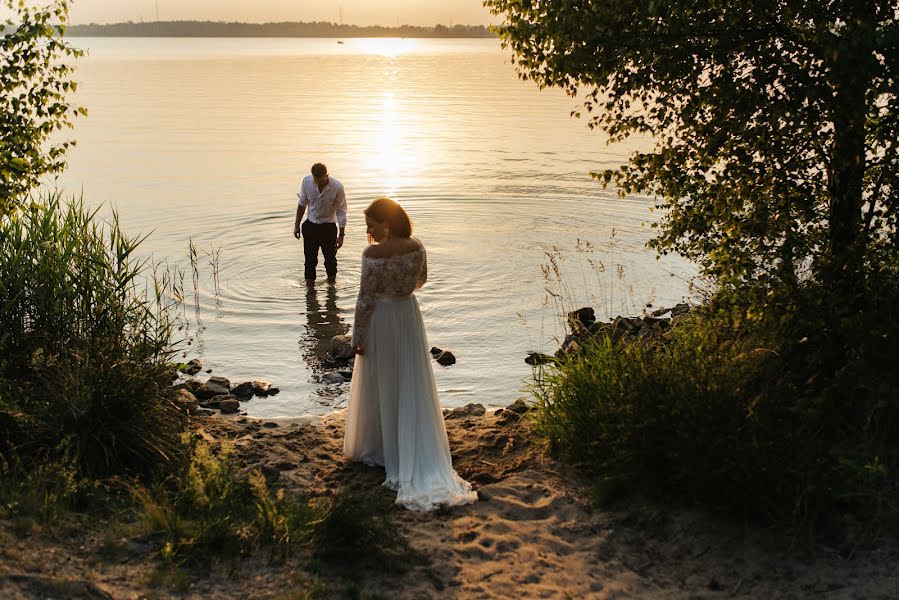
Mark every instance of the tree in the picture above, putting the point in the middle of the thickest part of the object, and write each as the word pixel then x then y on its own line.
pixel 34 81
pixel 775 122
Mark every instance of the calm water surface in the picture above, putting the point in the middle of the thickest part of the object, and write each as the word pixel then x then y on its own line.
pixel 207 140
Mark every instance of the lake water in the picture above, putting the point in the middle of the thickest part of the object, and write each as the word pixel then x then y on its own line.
pixel 208 139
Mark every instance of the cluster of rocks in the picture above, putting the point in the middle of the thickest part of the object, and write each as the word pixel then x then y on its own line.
pixel 342 354
pixel 583 326
pixel 200 397
pixel 509 414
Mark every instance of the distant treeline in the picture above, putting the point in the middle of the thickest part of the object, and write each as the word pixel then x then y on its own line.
pixel 318 29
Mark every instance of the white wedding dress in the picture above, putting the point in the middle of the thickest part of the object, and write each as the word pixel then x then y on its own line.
pixel 394 417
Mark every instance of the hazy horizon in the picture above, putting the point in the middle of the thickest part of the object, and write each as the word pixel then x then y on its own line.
pixel 424 13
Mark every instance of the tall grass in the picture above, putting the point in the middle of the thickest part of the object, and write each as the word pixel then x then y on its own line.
pixel 213 510
pixel 759 404
pixel 86 332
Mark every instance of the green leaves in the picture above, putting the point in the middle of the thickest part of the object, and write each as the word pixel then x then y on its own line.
pixel 34 79
pixel 755 108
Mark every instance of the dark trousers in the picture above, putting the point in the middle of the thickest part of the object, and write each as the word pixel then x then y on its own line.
pixel 324 236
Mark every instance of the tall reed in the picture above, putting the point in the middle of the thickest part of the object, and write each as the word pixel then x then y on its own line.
pixel 86 334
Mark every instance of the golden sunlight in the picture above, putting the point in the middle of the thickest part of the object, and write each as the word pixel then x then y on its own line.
pixel 391 47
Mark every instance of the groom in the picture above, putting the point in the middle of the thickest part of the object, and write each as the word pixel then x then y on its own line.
pixel 326 201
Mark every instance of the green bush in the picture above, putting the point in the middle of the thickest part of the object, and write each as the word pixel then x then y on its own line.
pixel 767 404
pixel 84 344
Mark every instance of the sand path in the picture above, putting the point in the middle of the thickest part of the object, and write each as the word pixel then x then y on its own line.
pixel 533 534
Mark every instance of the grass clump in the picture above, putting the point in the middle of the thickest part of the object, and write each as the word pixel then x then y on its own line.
pixel 215 510
pixel 771 406
pixel 84 344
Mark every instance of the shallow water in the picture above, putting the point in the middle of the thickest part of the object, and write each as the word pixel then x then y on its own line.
pixel 207 140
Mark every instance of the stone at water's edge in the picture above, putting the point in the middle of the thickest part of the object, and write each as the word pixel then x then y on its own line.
pixel 469 410
pixel 222 381
pixel 185 401
pixel 435 351
pixel 229 405
pixel 273 391
pixel 243 390
pixel 211 390
pixel 342 347
pixel 536 358
pixel 581 318
pixel 333 378
pixel 519 407
pixel 194 366
pixel 262 387
pixel 216 402
pixel 446 358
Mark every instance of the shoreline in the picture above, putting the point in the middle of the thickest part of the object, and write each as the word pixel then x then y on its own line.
pixel 532 533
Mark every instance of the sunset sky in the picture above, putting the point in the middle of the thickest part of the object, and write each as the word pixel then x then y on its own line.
pixel 354 12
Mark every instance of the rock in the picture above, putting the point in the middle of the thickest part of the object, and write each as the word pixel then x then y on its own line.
pixel 342 347
pixel 211 390
pixel 229 405
pixel 435 351
pixel 203 412
pixel 185 401
pixel 581 319
pixel 332 378
pixel 446 358
pixel 519 407
pixel 535 358
pixel 244 390
pixel 270 425
pixel 346 373
pixel 262 387
pixel 627 324
pixel 193 366
pixel 656 324
pixel 680 309
pixel 222 381
pixel 469 410
pixel 570 348
pixel 273 391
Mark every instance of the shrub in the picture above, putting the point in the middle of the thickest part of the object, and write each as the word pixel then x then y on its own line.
pixel 763 403
pixel 85 338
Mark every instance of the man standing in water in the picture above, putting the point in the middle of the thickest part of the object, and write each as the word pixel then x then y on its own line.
pixel 326 201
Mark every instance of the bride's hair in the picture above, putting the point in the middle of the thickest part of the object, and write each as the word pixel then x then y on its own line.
pixel 385 210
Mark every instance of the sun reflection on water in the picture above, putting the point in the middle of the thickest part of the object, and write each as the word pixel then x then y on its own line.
pixel 391 47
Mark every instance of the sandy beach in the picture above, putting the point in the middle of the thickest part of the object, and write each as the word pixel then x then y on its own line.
pixel 532 534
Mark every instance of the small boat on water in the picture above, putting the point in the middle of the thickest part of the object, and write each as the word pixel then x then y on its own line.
pixel 339 41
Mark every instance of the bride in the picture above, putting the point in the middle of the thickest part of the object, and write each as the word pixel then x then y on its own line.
pixel 394 417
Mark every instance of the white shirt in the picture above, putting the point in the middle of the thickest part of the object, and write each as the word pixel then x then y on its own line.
pixel 325 206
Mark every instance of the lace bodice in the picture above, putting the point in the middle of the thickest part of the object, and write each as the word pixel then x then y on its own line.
pixel 398 275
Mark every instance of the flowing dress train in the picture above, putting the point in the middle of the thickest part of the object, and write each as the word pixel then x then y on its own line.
pixel 394 417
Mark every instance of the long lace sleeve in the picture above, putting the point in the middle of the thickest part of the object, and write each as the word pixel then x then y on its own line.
pixel 423 272
pixel 365 302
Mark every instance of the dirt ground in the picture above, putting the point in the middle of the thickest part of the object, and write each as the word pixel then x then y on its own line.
pixel 532 534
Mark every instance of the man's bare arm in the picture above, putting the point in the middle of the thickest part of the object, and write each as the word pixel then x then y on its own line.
pixel 296 226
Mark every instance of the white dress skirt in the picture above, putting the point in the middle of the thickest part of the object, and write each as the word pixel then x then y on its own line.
pixel 394 417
